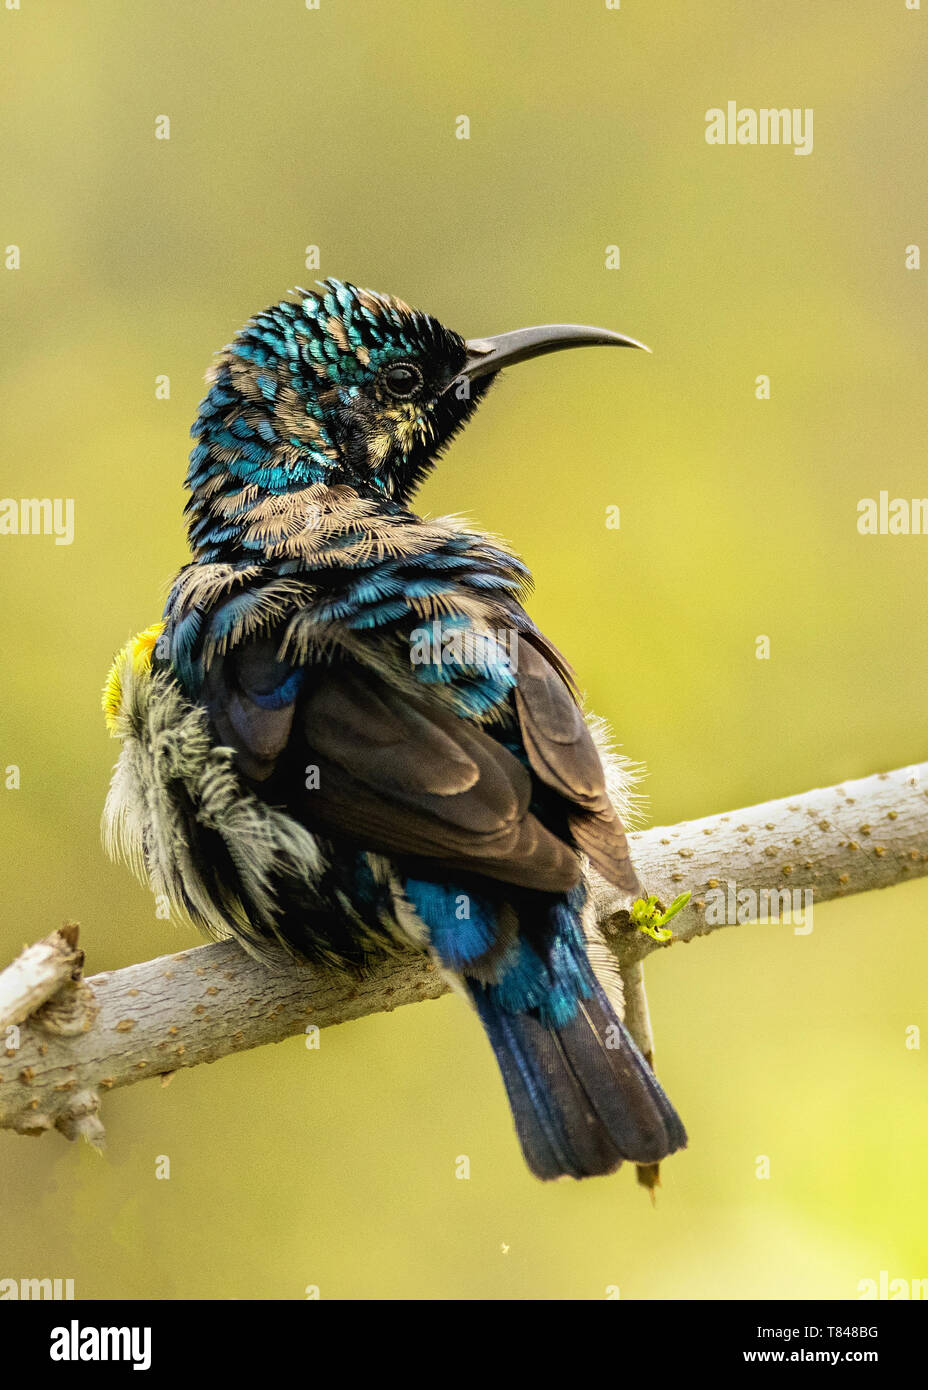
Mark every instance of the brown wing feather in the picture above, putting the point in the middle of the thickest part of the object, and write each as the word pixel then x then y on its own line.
pixel 396 772
pixel 401 775
pixel 258 735
pixel 563 755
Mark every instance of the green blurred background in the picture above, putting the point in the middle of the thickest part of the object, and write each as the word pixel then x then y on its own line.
pixel 336 128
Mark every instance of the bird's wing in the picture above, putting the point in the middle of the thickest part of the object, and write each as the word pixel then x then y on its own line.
pixel 398 771
pixel 394 771
pixel 562 754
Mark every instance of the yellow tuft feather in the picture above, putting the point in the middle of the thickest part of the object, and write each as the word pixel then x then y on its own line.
pixel 135 657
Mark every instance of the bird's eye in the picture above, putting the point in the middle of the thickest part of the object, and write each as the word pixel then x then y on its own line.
pixel 402 380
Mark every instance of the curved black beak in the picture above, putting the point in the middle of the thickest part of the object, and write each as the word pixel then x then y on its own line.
pixel 486 355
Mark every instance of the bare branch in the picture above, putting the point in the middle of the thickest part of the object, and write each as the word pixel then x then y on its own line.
pixel 209 1001
pixel 38 973
pixel 830 843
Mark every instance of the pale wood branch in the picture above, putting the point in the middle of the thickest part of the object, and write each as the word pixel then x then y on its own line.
pixel 71 1040
pixel 37 973
pixel 829 843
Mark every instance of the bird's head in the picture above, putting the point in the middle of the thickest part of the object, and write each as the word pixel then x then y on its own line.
pixel 345 385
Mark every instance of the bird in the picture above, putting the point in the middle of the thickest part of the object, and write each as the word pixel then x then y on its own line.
pixel 346 737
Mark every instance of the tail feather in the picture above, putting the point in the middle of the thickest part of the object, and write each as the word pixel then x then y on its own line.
pixel 583 1098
